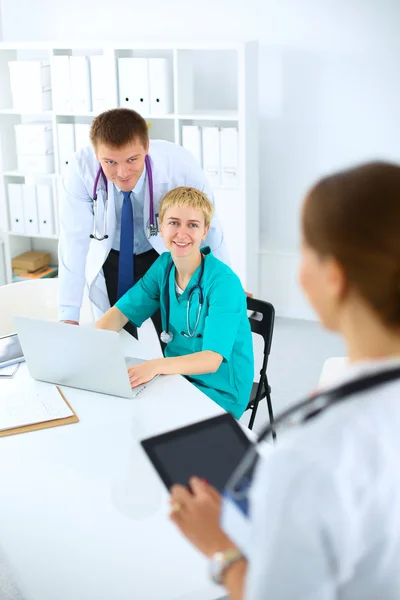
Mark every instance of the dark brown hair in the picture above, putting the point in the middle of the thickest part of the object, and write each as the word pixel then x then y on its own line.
pixel 118 127
pixel 354 216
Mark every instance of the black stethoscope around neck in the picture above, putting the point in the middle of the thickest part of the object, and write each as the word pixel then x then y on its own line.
pixel 239 483
pixel 166 336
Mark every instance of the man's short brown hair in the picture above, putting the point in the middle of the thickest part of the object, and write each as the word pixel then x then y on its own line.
pixel 119 127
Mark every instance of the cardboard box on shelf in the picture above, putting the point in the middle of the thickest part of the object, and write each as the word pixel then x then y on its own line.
pixel 31 261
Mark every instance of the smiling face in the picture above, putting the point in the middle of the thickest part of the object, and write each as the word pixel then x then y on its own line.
pixel 123 166
pixel 183 229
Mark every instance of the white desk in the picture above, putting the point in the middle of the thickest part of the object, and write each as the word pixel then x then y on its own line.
pixel 83 514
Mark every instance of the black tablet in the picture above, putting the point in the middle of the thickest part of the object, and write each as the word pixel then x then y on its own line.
pixel 210 449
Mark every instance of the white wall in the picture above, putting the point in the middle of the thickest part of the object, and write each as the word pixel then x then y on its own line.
pixel 329 89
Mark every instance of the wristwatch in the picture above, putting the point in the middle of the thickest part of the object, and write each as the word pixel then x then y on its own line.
pixel 220 561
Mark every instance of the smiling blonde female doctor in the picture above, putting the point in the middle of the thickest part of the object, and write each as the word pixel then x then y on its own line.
pixel 203 308
pixel 110 243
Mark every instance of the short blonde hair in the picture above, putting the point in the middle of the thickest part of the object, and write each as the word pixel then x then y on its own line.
pixel 187 197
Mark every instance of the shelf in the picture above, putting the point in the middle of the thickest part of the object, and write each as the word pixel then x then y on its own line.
pixel 30 113
pixel 72 114
pixel 199 115
pixel 183 43
pixel 32 235
pixel 229 115
pixel 168 116
pixel 34 175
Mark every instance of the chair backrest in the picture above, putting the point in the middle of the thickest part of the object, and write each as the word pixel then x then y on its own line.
pixel 263 326
pixel 36 298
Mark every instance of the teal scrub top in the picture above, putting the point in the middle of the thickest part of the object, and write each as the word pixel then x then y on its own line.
pixel 223 325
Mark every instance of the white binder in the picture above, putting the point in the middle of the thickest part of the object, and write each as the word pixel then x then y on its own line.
pixel 30 209
pixel 211 155
pixel 191 140
pixel 15 206
pixel 98 86
pixel 45 209
pixel 229 157
pixel 66 144
pixel 160 86
pixel 30 85
pixel 35 164
pixel 32 75
pixel 34 138
pixel 61 84
pixel 82 135
pixel 133 84
pixel 80 83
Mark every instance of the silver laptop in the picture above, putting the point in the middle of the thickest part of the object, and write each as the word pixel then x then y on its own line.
pixel 76 356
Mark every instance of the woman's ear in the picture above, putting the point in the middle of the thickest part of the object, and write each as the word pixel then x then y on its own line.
pixel 206 230
pixel 336 279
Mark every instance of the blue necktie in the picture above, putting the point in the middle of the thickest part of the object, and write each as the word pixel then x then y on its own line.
pixel 125 265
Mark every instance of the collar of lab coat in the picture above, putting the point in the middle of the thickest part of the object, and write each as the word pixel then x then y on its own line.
pixel 159 168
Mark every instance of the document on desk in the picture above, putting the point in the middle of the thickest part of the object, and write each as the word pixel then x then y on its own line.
pixel 37 402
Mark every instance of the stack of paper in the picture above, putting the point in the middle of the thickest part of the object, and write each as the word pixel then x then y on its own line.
pixel 35 402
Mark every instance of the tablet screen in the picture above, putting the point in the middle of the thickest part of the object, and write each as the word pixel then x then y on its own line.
pixel 10 350
pixel 211 450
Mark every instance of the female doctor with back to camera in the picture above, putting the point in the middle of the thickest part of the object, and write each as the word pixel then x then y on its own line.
pixel 324 505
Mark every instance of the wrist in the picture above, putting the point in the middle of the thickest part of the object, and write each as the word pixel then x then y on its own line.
pixel 222 544
pixel 224 562
pixel 158 364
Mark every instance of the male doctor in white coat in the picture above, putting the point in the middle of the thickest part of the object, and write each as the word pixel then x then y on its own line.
pixel 109 245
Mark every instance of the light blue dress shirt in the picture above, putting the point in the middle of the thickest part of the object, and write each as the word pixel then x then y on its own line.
pixel 141 243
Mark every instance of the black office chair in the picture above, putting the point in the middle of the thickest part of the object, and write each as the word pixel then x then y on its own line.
pixel 263 326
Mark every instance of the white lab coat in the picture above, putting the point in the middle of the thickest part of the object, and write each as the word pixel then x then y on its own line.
pixel 81 258
pixel 325 504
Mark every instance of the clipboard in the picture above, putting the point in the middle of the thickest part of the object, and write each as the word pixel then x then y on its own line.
pixel 44 424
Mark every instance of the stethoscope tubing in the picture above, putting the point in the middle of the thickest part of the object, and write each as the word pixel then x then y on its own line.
pixel 100 173
pixel 166 335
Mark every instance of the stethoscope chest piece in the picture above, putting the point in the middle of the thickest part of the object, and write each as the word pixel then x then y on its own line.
pixel 166 337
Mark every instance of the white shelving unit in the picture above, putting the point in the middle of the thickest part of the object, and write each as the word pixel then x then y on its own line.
pixel 213 85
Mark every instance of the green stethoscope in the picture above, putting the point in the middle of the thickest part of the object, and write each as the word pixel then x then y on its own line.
pixel 166 336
